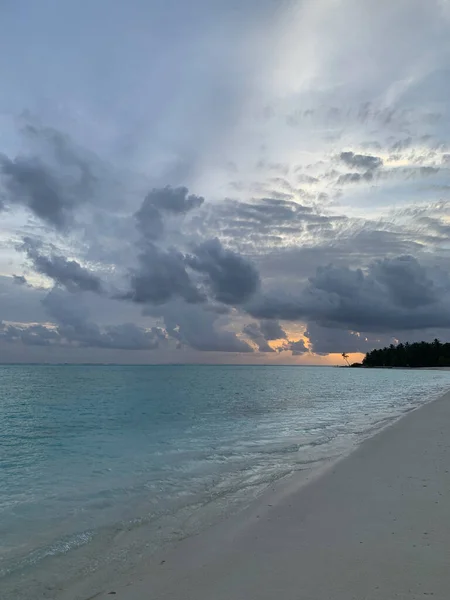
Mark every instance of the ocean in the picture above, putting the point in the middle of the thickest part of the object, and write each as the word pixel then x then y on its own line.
pixel 101 465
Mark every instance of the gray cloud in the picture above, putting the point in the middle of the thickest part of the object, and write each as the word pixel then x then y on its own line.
pixel 231 278
pixel 161 276
pixel 264 331
pixel 349 243
pixel 73 327
pixel 32 335
pixel 195 326
pixel 253 331
pixel 354 177
pixel 175 201
pixel 397 294
pixel 68 273
pixel 161 118
pixel 164 274
pixel 326 340
pixel 28 181
pixel 272 330
pixel 297 348
pixel 361 161
pixel 263 224
pixel 19 279
pixel 20 303
pixel 52 188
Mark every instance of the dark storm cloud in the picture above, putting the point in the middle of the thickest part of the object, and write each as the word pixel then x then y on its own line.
pixel 175 201
pixel 253 331
pixel 272 330
pixel 51 184
pixel 264 331
pixel 161 276
pixel 64 153
pixel 397 294
pixel 165 273
pixel 326 340
pixel 149 221
pixel 68 273
pixel 32 335
pixel 349 242
pixel 361 161
pixel 126 336
pixel 194 326
pixel 231 278
pixel 73 327
pixel 29 182
pixel 407 282
pixel 297 348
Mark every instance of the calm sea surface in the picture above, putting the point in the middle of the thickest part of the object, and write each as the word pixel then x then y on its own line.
pixel 99 464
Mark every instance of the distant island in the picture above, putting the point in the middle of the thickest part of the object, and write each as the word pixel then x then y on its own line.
pixel 419 354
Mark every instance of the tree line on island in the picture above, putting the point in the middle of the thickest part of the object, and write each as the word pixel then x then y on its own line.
pixel 418 354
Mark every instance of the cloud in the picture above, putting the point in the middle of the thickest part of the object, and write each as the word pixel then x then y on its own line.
pixel 51 185
pixel 297 348
pixel 73 327
pixel 20 303
pixel 173 200
pixel 231 278
pixel 88 335
pixel 32 335
pixel 196 327
pixel 266 223
pixel 326 340
pixel 161 276
pixel 264 331
pixel 253 331
pixel 361 161
pixel 167 273
pixel 306 165
pixel 19 279
pixel 68 273
pixel 272 330
pixel 392 294
pixel 354 177
pixel 160 201
pixel 29 182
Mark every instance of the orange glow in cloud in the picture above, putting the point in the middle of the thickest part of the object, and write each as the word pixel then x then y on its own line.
pixel 295 334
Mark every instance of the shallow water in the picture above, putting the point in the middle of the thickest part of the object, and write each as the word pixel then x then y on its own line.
pixel 90 452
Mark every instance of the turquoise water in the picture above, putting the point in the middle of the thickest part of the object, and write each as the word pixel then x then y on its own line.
pixel 90 452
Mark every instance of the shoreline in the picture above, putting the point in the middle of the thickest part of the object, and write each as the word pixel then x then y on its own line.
pixel 244 555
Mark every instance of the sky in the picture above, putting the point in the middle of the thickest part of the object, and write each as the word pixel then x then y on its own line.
pixel 223 181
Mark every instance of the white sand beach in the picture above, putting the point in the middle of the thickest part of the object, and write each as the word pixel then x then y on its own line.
pixel 374 526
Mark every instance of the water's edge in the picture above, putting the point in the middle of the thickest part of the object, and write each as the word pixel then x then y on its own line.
pixel 286 484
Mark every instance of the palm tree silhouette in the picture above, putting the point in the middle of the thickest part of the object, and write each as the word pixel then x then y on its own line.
pixel 345 357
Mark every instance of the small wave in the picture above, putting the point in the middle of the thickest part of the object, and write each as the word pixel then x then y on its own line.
pixel 59 547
